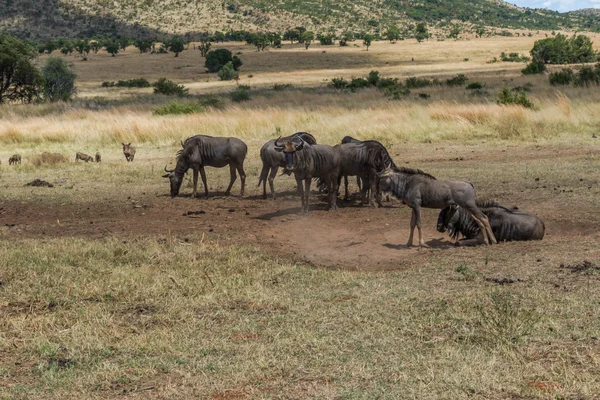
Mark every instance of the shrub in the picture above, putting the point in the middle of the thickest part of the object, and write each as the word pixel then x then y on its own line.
pixel 587 76
pixel 169 88
pixel 212 102
pixel 563 77
pixel 282 86
pixel 534 68
pixel 387 83
pixel 176 108
pixel 358 83
pixel 513 57
pixel 415 83
pixel 338 83
pixel 108 84
pixel 227 73
pixel 241 94
pixel 475 86
pixel 59 80
pixel 511 97
pixel 457 80
pixel 423 95
pixel 373 78
pixel 216 59
pixel 134 83
pixel 326 40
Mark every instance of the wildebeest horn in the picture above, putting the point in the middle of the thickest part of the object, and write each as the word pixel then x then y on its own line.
pixel 166 170
pixel 299 146
pixel 277 143
pixel 181 141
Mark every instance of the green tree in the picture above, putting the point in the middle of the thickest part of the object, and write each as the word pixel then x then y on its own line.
pixel 95 45
pixel 67 47
pixel 367 40
pixel 143 45
pixel 204 46
pixel 83 47
pixel 393 33
pixel 227 73
pixel 421 32
pixel 123 43
pixel 176 45
pixel 307 38
pixel 20 80
pixel 59 80
pixel 346 37
pixel 216 59
pixel 112 47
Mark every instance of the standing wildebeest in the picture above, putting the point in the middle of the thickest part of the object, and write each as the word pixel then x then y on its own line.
pixel 83 157
pixel 363 159
pixel 273 159
pixel 128 151
pixel 308 162
pixel 14 159
pixel 507 224
pixel 418 189
pixel 98 157
pixel 206 151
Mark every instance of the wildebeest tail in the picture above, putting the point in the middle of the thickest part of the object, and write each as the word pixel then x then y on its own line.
pixel 263 174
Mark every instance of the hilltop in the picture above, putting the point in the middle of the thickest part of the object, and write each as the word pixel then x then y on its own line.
pixel 72 18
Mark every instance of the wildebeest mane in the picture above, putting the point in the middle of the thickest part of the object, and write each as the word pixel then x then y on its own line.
pixel 413 171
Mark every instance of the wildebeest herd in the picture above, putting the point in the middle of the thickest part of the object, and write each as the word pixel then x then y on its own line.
pixel 375 171
pixel 300 155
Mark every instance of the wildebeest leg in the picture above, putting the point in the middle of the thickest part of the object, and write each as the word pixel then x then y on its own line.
pixel 307 183
pixel 272 176
pixel 334 186
pixel 471 242
pixel 417 212
pixel 346 191
pixel 300 187
pixel 478 217
pixel 264 173
pixel 195 192
pixel 232 180
pixel 242 173
pixel 413 222
pixel 203 176
pixel 373 190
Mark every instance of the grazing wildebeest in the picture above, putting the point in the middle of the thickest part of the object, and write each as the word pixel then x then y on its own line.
pixel 206 151
pixel 83 157
pixel 507 224
pixel 98 157
pixel 14 159
pixel 128 151
pixel 308 162
pixel 273 159
pixel 418 189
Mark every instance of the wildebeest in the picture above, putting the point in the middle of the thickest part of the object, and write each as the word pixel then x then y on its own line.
pixel 98 157
pixel 363 159
pixel 128 151
pixel 507 224
pixel 418 189
pixel 308 162
pixel 206 151
pixel 273 159
pixel 14 159
pixel 83 157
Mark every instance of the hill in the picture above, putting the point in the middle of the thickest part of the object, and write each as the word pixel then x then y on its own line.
pixel 37 20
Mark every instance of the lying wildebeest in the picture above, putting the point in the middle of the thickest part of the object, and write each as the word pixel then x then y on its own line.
pixel 128 151
pixel 308 162
pixel 83 157
pixel 273 159
pixel 507 224
pixel 418 189
pixel 98 157
pixel 363 159
pixel 206 151
pixel 14 159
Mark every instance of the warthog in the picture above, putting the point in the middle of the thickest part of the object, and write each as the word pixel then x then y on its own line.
pixel 507 224
pixel 83 157
pixel 418 189
pixel 273 159
pixel 308 162
pixel 14 159
pixel 128 151
pixel 206 151
pixel 98 157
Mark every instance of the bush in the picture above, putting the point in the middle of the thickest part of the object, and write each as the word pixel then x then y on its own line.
pixel 534 68
pixel 358 83
pixel 227 73
pixel 387 83
pixel 241 94
pixel 59 80
pixel 475 86
pixel 282 86
pixel 513 57
pixel 457 80
pixel 373 78
pixel 588 76
pixel 415 83
pixel 169 88
pixel 423 95
pixel 216 59
pixel 176 108
pixel 134 83
pixel 564 77
pixel 509 97
pixel 108 84
pixel 338 83
pixel 212 102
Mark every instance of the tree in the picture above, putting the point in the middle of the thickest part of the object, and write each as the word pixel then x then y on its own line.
pixel 227 73
pixel 219 36
pixel 216 59
pixel 176 45
pixel 367 40
pixel 20 80
pixel 421 32
pixel 454 32
pixel 294 34
pixel 346 37
pixel 123 43
pixel 307 38
pixel 260 40
pixel 67 47
pixel 393 33
pixel 112 47
pixel 204 47
pixel 59 80
pixel 95 45
pixel 83 47
pixel 143 45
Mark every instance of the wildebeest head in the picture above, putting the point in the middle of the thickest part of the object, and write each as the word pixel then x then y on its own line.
pixel 289 148
pixel 448 216
pixel 385 179
pixel 175 181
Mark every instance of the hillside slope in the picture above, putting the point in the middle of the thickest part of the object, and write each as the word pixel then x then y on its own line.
pixel 36 19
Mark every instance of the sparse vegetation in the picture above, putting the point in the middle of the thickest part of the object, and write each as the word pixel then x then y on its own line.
pixel 241 94
pixel 169 88
pixel 177 108
pixel 563 77
pixel 514 97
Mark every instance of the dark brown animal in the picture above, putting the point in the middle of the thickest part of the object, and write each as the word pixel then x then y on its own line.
pixel 507 224
pixel 128 151
pixel 14 159
pixel 417 189
pixel 206 151
pixel 98 157
pixel 83 157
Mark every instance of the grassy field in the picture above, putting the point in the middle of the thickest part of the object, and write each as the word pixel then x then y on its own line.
pixel 107 290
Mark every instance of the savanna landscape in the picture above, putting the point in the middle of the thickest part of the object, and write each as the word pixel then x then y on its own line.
pixel 111 288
